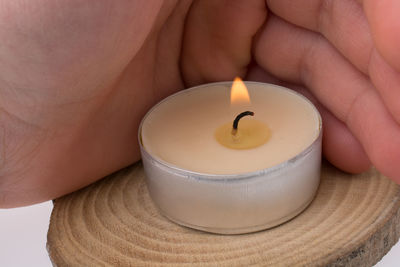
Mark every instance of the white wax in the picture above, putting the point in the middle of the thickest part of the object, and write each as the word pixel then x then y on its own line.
pixel 180 130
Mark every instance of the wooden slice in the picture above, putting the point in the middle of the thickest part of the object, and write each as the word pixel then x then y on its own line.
pixel 353 221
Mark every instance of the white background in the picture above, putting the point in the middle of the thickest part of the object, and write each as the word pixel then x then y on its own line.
pixel 23 238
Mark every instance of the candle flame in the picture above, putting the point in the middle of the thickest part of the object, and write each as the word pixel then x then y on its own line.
pixel 239 93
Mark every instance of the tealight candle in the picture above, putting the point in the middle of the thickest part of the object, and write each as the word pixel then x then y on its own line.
pixel 232 168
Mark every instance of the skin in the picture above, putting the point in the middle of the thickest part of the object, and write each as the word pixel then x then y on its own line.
pixel 77 76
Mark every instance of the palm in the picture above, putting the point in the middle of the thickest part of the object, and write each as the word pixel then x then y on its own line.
pixel 79 88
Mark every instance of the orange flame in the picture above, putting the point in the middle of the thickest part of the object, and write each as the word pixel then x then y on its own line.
pixel 239 93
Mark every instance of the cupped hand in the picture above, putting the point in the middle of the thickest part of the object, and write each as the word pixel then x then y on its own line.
pixel 77 76
pixel 346 53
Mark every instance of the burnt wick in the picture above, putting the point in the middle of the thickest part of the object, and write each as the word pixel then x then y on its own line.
pixel 238 117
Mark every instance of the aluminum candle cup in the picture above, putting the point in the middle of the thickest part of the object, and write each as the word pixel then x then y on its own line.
pixel 197 182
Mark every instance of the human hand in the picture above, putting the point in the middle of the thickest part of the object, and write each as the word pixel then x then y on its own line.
pixel 346 53
pixel 77 76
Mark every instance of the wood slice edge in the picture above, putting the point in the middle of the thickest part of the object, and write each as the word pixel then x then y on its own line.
pixel 377 245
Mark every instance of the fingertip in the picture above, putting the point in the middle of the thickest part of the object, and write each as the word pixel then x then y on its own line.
pixel 217 40
pixel 386 158
pixel 339 156
pixel 372 124
pixel 340 147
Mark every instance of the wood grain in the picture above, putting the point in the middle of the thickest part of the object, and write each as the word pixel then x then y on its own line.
pixel 353 221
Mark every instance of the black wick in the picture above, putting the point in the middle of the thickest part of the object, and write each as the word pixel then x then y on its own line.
pixel 238 117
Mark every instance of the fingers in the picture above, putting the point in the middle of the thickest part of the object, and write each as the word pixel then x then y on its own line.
pixel 303 57
pixel 340 146
pixel 348 29
pixel 218 39
pixel 372 124
pixel 384 67
pixel 338 85
pixel 384 21
pixel 342 22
